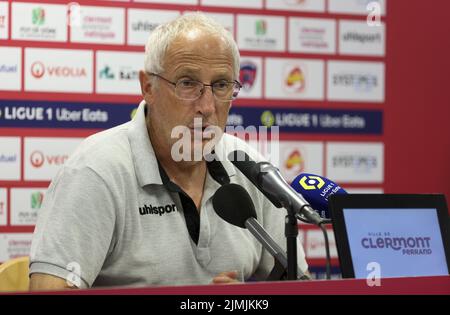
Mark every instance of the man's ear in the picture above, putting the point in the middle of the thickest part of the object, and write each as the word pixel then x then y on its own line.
pixel 146 86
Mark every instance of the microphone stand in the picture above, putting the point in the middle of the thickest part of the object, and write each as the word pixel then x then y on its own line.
pixel 291 233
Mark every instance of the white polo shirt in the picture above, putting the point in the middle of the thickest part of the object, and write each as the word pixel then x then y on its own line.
pixel 109 219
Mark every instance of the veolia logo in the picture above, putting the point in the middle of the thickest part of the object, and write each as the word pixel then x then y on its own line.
pixel 37 69
pixel 37 159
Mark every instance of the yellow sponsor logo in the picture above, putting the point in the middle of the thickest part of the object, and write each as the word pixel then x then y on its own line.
pixel 311 182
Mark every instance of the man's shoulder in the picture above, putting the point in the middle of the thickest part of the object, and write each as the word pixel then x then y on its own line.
pixel 102 149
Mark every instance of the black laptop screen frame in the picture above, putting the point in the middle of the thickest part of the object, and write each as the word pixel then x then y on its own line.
pixel 340 202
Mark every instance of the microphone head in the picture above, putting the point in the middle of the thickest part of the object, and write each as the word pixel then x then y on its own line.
pixel 233 204
pixel 317 190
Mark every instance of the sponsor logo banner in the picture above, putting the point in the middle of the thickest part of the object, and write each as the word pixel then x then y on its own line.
pixel 356 81
pixel 312 35
pixel 44 156
pixel 40 114
pixel 358 7
pixel 13 245
pixel 3 206
pixel 118 72
pixel 58 70
pixel 10 68
pixel 40 22
pixel 300 157
pixel 25 205
pixel 262 33
pixel 315 244
pixel 141 23
pixel 251 77
pixel 225 19
pixel 295 79
pixel 357 38
pixel 10 158
pixel 352 162
pixel 169 1
pixel 314 121
pixel 254 4
pixel 4 21
pixel 296 5
pixel 99 25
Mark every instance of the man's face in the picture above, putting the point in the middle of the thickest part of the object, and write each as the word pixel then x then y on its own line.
pixel 195 56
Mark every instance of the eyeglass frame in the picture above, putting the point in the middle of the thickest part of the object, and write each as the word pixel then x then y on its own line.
pixel 239 85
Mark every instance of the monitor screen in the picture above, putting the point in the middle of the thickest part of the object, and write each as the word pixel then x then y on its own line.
pixel 403 242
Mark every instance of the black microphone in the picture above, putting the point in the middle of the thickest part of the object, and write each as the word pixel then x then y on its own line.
pixel 234 205
pixel 268 180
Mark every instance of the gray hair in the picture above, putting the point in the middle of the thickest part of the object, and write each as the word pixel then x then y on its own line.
pixel 165 34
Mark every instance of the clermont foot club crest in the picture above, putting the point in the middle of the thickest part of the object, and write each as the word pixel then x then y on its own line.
pixel 247 75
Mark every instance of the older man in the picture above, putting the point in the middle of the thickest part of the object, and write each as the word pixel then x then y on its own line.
pixel 124 210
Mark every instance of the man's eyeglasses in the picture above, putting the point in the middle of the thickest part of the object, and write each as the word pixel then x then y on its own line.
pixel 190 90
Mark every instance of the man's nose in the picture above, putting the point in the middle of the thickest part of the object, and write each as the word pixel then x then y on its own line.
pixel 206 101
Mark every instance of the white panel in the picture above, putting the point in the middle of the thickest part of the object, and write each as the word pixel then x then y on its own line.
pixel 4 20
pixel 58 70
pixel 44 156
pixel 298 157
pixel 225 19
pixel 99 25
pixel 356 81
pixel 141 23
pixel 296 5
pixel 170 1
pixel 254 4
pixel 312 35
pixel 294 79
pixel 364 190
pixel 40 22
pixel 261 33
pixel 315 244
pixel 357 38
pixel 118 72
pixel 10 68
pixel 13 245
pixel 3 206
pixel 358 7
pixel 25 205
pixel 353 162
pixel 10 158
pixel 251 77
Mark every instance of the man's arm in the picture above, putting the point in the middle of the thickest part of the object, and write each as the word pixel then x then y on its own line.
pixel 41 282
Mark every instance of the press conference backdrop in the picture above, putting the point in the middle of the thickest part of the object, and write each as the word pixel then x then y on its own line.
pixel 315 68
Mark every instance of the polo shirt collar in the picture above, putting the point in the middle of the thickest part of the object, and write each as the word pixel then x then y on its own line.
pixel 145 161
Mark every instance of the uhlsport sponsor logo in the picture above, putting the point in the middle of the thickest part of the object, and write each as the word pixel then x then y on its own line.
pixel 44 22
pixel 359 163
pixel 141 23
pixel 157 210
pixel 357 38
pixel 360 82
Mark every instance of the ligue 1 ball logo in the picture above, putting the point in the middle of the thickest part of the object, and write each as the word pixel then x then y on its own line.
pixel 311 182
pixel 247 75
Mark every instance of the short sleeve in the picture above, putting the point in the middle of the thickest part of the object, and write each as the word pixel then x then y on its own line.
pixel 75 226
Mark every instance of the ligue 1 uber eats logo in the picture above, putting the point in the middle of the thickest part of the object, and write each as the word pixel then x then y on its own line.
pixel 310 182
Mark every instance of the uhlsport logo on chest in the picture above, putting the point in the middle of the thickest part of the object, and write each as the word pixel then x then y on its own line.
pixel 160 210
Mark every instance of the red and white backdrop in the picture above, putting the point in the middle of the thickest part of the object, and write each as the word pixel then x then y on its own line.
pixel 315 68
